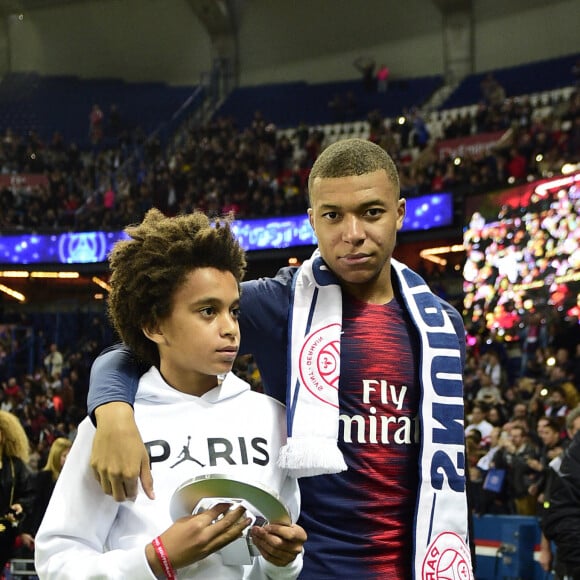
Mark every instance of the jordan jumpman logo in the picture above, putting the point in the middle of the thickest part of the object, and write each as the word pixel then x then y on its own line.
pixel 186 456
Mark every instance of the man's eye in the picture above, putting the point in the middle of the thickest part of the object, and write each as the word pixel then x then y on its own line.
pixel 236 312
pixel 331 215
pixel 374 211
pixel 207 311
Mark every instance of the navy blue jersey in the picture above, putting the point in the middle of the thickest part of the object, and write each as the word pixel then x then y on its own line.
pixel 359 522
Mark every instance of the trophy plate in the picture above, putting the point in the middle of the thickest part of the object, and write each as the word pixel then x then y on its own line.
pixel 256 498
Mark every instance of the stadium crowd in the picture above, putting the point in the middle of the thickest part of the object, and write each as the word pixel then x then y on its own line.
pixel 259 171
pixel 519 392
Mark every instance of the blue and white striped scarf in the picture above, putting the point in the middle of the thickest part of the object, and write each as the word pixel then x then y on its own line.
pixel 315 326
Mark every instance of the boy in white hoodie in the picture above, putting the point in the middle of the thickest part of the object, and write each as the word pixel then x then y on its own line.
pixel 175 300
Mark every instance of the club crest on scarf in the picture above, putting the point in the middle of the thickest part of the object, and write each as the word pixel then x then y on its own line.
pixel 320 363
pixel 447 558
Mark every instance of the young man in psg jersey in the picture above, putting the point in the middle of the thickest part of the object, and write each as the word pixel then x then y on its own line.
pixel 394 504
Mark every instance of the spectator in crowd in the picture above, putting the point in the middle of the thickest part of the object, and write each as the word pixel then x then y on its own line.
pixel 487 393
pixel 533 337
pixel 514 456
pixel 485 461
pixel 16 494
pixel 12 394
pixel 552 446
pixel 524 414
pixel 549 431
pixel 366 66
pixel 175 299
pixel 517 166
pixel 478 421
pixel 556 403
pixel 487 501
pixel 494 368
pixel 560 377
pixel 492 91
pixel 96 123
pixel 43 486
pixel 496 415
pixel 420 133
pixel 356 213
pixel 475 450
pixel 555 437
pixel 520 411
pixel 561 515
pixel 383 78
pixel 53 361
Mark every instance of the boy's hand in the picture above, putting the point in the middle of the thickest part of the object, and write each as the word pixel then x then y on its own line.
pixel 119 458
pixel 279 544
pixel 193 538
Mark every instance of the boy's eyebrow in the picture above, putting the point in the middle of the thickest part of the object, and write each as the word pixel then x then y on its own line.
pixel 211 300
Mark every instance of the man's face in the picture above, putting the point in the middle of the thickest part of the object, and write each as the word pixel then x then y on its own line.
pixel 517 437
pixel 356 220
pixel 477 415
pixel 548 436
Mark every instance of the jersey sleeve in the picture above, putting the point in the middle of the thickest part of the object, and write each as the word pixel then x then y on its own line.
pixel 263 320
pixel 114 376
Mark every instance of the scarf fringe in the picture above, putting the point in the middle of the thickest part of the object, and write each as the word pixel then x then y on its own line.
pixel 309 457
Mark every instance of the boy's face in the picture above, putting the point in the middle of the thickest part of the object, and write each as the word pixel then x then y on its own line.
pixel 200 338
pixel 356 220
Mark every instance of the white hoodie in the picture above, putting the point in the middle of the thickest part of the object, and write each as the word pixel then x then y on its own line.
pixel 230 430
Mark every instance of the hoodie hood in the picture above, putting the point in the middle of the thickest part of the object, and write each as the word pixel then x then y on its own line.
pixel 153 389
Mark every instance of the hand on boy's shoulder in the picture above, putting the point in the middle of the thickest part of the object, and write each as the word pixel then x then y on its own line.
pixel 119 467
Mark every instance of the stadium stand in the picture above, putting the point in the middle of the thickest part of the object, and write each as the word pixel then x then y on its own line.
pixel 49 104
pixel 547 77
pixel 289 104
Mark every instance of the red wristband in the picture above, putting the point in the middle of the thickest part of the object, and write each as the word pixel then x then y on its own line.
pixel 168 569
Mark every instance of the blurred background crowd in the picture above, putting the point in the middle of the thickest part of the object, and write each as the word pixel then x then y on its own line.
pixel 522 388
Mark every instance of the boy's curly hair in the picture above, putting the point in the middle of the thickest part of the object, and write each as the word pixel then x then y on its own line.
pixel 148 268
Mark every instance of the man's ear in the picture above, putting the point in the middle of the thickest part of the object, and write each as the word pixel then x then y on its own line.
pixel 311 218
pixel 401 211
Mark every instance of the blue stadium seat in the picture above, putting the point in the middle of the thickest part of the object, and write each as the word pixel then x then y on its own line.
pixel 530 78
pixel 46 104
